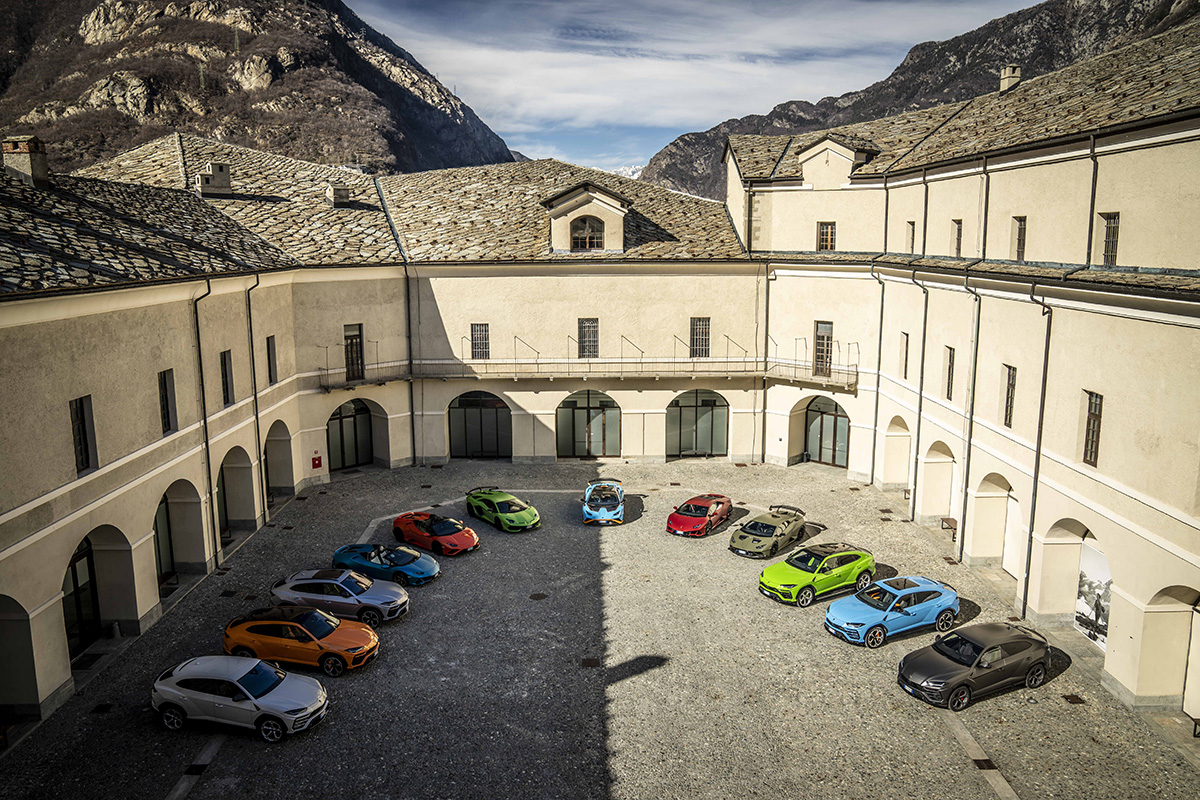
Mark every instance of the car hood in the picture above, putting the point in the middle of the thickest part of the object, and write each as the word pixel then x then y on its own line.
pixel 525 517
pixel 851 609
pixel 350 635
pixel 464 538
pixel 423 566
pixel 784 573
pixel 928 664
pixel 296 691
pixel 747 541
pixel 681 523
pixel 383 593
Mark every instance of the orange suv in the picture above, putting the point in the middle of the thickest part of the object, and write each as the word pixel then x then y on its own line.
pixel 302 636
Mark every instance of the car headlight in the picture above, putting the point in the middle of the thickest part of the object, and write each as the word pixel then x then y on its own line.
pixel 355 650
pixel 787 586
pixel 394 603
pixel 930 684
pixel 854 624
pixel 295 712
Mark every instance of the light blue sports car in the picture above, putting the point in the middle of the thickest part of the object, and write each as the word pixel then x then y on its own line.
pixel 604 502
pixel 892 606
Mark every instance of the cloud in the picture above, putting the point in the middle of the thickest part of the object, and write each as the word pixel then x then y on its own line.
pixel 547 66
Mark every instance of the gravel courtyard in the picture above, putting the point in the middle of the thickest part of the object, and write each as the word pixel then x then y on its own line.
pixel 615 662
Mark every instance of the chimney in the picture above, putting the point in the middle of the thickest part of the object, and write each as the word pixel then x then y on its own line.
pixel 1010 76
pixel 214 180
pixel 338 195
pixel 25 161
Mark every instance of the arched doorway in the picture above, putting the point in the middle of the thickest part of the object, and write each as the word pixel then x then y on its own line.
pixel 164 550
pixel 827 432
pixel 897 444
pixel 1054 584
pixel 81 600
pixel 937 486
pixel 348 436
pixel 18 669
pixel 480 426
pixel 1170 647
pixel 996 532
pixel 588 425
pixel 277 461
pixel 179 534
pixel 698 425
pixel 235 494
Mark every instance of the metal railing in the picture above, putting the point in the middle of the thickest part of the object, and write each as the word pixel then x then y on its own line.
pixel 382 372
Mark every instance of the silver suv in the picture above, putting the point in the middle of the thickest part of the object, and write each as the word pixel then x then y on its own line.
pixel 343 593
pixel 238 691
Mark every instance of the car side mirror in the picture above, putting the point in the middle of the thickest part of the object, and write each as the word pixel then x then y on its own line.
pixel 676 508
pixel 303 637
pixel 239 697
pixel 985 665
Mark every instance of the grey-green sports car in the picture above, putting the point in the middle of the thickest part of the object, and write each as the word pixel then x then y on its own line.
pixel 767 534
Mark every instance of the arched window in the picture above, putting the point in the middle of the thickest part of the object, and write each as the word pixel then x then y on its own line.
pixel 587 233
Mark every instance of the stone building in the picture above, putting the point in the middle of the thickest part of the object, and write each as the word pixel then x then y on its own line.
pixel 991 306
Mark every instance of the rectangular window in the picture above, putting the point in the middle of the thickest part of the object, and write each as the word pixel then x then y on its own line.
pixel 904 356
pixel 352 336
pixel 481 346
pixel 956 237
pixel 949 373
pixel 823 352
pixel 1112 226
pixel 166 401
pixel 911 239
pixel 699 341
pixel 589 337
pixel 1010 394
pixel 1091 433
pixel 83 431
pixel 1018 239
pixel 826 236
pixel 272 364
pixel 227 377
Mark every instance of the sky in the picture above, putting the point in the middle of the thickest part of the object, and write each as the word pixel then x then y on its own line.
pixel 609 83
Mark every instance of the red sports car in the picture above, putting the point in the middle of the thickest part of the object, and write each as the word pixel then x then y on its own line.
pixel 447 537
pixel 700 515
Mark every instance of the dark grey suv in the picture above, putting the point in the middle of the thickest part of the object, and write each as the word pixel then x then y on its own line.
pixel 975 660
pixel 343 593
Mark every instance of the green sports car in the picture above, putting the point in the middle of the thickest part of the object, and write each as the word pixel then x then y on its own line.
pixel 815 570
pixel 763 536
pixel 501 509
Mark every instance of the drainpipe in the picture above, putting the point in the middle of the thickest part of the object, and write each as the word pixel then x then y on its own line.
pixel 412 409
pixel 262 450
pixel 966 481
pixel 212 503
pixel 749 218
pixel 912 512
pixel 1048 313
pixel 1092 203
pixel 766 355
pixel 878 373
pixel 987 196
pixel 887 198
pixel 924 210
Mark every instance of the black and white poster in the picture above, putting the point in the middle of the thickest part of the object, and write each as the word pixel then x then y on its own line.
pixel 1095 595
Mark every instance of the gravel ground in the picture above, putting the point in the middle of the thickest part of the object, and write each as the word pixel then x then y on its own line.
pixel 651 668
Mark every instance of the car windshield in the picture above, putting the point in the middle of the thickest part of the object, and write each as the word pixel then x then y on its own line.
pixel 510 506
pixel 958 648
pixel 877 597
pixel 356 584
pixel 445 527
pixel 603 496
pixel 805 560
pixel 261 679
pixel 318 623
pixel 400 556
pixel 692 510
pixel 757 528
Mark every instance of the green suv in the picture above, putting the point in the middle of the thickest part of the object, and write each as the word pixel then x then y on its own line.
pixel 501 509
pixel 817 569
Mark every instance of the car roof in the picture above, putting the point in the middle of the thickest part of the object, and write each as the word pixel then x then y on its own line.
pixel 908 583
pixel 317 575
pixel 494 492
pixel 829 548
pixel 988 634
pixel 227 667
pixel 706 499
pixel 272 613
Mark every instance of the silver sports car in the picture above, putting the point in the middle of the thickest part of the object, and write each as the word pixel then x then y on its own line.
pixel 343 593
pixel 239 691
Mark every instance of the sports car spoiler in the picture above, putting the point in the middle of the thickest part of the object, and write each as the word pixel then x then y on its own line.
pixel 482 489
pixel 604 480
pixel 792 509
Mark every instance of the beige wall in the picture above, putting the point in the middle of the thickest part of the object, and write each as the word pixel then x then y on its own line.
pixel 735 196
pixel 612 216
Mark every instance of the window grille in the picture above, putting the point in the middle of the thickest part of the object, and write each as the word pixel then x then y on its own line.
pixel 949 373
pixel 904 355
pixel 166 400
pixel 587 233
pixel 227 377
pixel 272 363
pixel 1091 434
pixel 957 231
pixel 480 342
pixel 826 236
pixel 823 352
pixel 1018 238
pixel 589 337
pixel 1112 226
pixel 699 342
pixel 1010 394
pixel 82 432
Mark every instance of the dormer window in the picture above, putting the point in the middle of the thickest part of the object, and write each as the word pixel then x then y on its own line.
pixel 587 233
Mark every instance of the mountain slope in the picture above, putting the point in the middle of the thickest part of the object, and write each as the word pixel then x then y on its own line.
pixel 1041 39
pixel 304 78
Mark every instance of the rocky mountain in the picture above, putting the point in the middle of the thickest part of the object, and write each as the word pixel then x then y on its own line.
pixel 1041 39
pixel 304 78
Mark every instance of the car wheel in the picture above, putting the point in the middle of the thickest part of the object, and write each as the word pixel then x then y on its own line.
pixel 437 548
pixel 242 652
pixel 945 620
pixel 369 616
pixel 864 580
pixel 805 597
pixel 960 698
pixel 332 665
pixel 400 578
pixel 399 534
pixel 875 637
pixel 271 730
pixel 708 526
pixel 471 511
pixel 774 549
pixel 1036 676
pixel 172 717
